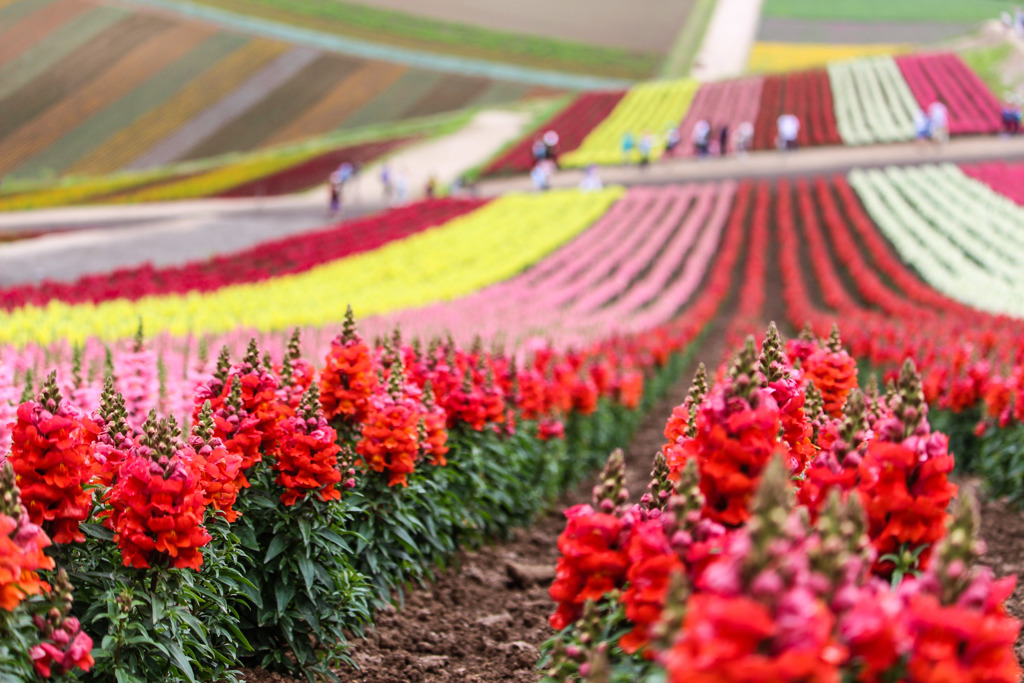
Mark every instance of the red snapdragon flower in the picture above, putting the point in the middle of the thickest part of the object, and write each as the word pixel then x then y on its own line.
pixel 348 379
pixel 389 434
pixel 50 454
pixel 652 561
pixel 157 503
pixel 307 458
pixel 834 373
pixel 219 469
pixel 905 498
pixel 593 562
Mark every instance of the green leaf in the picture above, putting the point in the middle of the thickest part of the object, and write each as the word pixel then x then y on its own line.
pixel 284 593
pixel 304 529
pixel 158 607
pixel 178 658
pixel 308 572
pixel 97 531
pixel 277 546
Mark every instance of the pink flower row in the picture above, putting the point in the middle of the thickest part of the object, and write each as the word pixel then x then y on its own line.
pixel 944 76
pixel 633 270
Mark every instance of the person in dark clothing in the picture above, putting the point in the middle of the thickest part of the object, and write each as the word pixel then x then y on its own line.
pixel 723 140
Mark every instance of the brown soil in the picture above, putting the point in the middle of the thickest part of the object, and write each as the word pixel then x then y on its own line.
pixel 1002 527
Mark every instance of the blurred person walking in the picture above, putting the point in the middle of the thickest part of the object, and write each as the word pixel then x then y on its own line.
pixel 701 138
pixel 938 122
pixel 628 143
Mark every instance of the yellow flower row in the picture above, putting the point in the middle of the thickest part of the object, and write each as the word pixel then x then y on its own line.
pixel 767 57
pixel 452 260
pixel 647 109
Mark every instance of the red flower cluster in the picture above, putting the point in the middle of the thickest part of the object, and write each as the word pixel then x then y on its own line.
pixel 593 562
pixel 50 453
pixel 729 639
pixel 220 470
pixel 348 379
pixel 390 437
pixel 157 503
pixel 735 439
pixel 307 457
pixel 905 498
pixel 652 561
pixel 834 373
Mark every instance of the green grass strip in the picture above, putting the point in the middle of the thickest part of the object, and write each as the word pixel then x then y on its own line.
pixel 888 10
pixel 385 26
pixel 987 63
pixel 684 50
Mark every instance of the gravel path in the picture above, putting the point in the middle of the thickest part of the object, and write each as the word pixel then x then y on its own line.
pixel 99 238
pixel 96 239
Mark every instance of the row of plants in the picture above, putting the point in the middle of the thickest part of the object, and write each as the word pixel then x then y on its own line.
pixel 808 96
pixel 265 260
pixel 482 247
pixel 796 527
pixel 134 140
pixel 858 100
pixel 722 104
pixel 573 124
pixel 1004 178
pixel 647 109
pixel 960 236
pixel 943 76
pixel 774 57
pixel 873 102
pixel 633 270
pixel 293 502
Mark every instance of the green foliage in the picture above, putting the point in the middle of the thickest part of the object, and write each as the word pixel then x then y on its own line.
pixel 1000 462
pixel 371 23
pixel 962 11
pixel 987 62
pixel 17 635
pixel 160 623
pixel 302 597
pixel 959 427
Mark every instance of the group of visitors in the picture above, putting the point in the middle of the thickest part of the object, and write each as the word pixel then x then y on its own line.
pixel 643 146
pixel 932 124
pixel 1014 21
pixel 704 135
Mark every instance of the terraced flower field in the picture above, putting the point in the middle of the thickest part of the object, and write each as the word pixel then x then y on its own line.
pixel 594 295
pixel 87 89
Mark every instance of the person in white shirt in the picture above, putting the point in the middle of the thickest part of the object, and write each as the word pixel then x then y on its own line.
pixel 590 182
pixel 702 138
pixel 789 130
pixel 938 120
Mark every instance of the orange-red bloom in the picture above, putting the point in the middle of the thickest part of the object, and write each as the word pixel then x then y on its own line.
pixel 593 562
pixel 157 507
pixel 51 456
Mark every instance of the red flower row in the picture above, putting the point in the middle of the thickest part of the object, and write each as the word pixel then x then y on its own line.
pixel 268 259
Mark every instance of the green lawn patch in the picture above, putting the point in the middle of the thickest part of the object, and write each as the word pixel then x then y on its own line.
pixel 395 28
pixel 888 10
pixel 987 63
